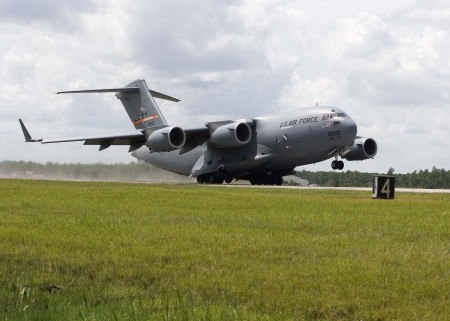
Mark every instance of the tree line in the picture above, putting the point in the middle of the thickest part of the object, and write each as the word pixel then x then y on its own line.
pixel 435 179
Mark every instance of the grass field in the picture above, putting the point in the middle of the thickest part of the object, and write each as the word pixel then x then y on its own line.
pixel 110 251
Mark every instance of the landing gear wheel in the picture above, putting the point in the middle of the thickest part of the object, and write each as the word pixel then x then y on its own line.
pixel 337 165
pixel 228 179
pixel 210 179
pixel 334 165
pixel 279 181
pixel 266 180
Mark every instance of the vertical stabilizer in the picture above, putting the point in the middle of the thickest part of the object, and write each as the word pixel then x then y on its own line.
pixel 138 102
pixel 140 106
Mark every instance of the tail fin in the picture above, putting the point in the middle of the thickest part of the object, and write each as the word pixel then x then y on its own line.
pixel 138 102
pixel 141 107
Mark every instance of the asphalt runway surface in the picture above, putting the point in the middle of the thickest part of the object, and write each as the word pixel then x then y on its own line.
pixel 366 189
pixel 240 184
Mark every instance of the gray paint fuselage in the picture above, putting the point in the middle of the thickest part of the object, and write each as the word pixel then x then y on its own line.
pixel 279 143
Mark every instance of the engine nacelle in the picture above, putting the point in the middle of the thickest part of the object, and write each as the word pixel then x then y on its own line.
pixel 232 135
pixel 362 148
pixel 166 139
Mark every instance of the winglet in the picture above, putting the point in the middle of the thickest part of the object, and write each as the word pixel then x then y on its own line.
pixel 27 134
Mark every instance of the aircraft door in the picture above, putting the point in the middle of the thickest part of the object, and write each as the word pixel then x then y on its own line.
pixel 208 156
pixel 218 155
pixel 213 155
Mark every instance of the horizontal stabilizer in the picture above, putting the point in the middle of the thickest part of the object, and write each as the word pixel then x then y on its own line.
pixel 120 90
pixel 108 90
pixel 163 96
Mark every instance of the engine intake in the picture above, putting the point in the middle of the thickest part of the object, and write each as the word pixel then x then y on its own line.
pixel 232 135
pixel 166 139
pixel 362 148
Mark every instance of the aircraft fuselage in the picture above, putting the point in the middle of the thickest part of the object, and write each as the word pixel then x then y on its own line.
pixel 278 144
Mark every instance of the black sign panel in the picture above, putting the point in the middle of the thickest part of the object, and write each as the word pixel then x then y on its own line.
pixel 383 187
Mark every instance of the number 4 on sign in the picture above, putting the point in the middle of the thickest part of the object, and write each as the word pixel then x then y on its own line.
pixel 386 188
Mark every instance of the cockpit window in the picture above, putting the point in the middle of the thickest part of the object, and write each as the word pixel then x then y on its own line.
pixel 327 116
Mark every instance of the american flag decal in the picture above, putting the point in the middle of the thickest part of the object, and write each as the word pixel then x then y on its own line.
pixel 146 119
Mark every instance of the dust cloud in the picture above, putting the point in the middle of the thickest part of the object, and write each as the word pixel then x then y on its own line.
pixel 132 172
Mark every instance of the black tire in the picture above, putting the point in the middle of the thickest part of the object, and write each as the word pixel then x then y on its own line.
pixel 210 179
pixel 334 165
pixel 279 181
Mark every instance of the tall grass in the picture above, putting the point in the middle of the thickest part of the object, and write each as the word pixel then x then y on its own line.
pixel 106 251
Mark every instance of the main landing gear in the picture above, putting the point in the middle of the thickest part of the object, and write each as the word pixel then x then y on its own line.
pixel 266 180
pixel 214 178
pixel 337 164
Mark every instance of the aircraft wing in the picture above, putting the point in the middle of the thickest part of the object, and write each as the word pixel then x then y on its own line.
pixel 194 137
pixel 198 135
pixel 115 139
pixel 134 139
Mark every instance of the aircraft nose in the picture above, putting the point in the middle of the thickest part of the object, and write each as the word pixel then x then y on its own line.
pixel 353 128
pixel 350 129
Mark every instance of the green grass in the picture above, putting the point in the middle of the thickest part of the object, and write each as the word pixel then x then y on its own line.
pixel 166 252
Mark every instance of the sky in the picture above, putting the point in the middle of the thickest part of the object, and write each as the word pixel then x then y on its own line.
pixel 386 63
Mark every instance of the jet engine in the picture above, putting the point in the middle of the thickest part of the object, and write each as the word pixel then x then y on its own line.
pixel 166 139
pixel 232 135
pixel 362 148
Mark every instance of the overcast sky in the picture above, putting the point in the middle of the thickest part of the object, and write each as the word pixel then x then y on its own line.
pixel 386 63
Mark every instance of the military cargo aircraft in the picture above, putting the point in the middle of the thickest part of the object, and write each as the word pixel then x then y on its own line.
pixel 261 150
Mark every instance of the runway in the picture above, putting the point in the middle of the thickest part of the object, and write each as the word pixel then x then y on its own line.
pixel 366 189
pixel 241 184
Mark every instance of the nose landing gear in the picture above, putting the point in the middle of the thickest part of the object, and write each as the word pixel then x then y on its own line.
pixel 337 164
